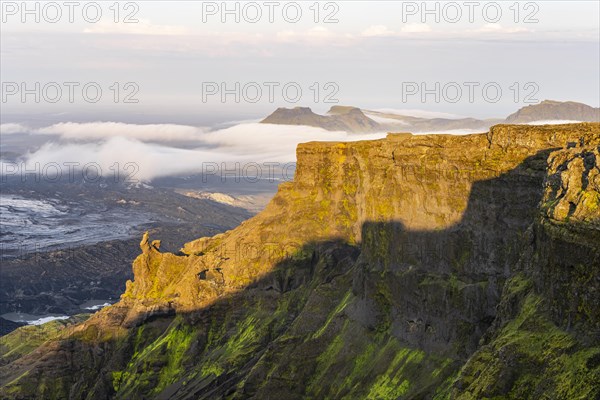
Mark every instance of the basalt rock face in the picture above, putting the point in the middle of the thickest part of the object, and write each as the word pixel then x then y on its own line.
pixel 408 267
pixel 545 340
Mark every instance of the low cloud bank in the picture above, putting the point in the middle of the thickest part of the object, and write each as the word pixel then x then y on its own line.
pixel 123 147
pixel 129 158
pixel 105 130
pixel 12 128
pixel 553 122
pixel 419 113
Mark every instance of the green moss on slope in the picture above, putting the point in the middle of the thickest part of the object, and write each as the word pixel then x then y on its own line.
pixel 531 357
pixel 157 364
pixel 25 339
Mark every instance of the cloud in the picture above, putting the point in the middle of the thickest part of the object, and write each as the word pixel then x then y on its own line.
pixel 452 132
pixel 384 120
pixel 416 28
pixel 407 30
pixel 419 113
pixel 104 130
pixel 553 122
pixel 378 30
pixel 384 31
pixel 490 31
pixel 142 27
pixel 12 128
pixel 244 143
pixel 148 160
pixel 274 142
pixel 497 28
pixel 245 138
pixel 314 36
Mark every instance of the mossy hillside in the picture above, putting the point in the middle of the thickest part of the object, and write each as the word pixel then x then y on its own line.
pixel 333 313
pixel 26 383
pixel 544 342
pixel 373 368
pixel 232 346
pixel 338 357
pixel 530 357
pixel 186 353
pixel 157 364
pixel 572 291
pixel 25 339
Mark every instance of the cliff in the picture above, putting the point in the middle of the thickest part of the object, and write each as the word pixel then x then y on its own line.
pixel 429 266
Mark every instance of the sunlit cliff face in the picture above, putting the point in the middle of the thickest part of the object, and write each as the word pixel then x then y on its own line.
pixel 477 185
pixel 408 266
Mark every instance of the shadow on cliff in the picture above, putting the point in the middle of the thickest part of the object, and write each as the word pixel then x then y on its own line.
pixel 433 290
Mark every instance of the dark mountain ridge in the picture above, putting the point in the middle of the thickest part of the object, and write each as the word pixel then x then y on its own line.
pixel 339 118
pixel 354 120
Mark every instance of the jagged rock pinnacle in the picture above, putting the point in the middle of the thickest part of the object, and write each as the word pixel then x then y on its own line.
pixel 145 243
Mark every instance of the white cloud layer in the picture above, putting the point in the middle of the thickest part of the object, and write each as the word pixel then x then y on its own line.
pixel 553 122
pixel 149 160
pixel 419 113
pixel 275 142
pixel 142 27
pixel 105 130
pixel 378 30
pixel 497 28
pixel 384 120
pixel 244 143
pixel 12 128
pixel 384 31
pixel 458 132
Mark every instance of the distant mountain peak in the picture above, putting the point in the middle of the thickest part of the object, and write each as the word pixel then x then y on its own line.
pixel 300 108
pixel 547 101
pixel 338 118
pixel 339 110
pixel 356 120
pixel 294 110
pixel 549 110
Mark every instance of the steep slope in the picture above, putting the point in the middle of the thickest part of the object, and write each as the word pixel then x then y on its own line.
pixel 545 341
pixel 59 279
pixel 400 267
pixel 549 110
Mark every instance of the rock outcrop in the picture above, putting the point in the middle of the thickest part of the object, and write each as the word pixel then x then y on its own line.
pixel 549 110
pixel 545 339
pixel 339 118
pixel 429 266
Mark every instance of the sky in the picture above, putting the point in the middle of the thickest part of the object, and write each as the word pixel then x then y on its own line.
pixel 205 63
pixel 172 86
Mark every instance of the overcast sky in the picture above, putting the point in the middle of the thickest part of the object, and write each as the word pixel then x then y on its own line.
pixel 368 54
